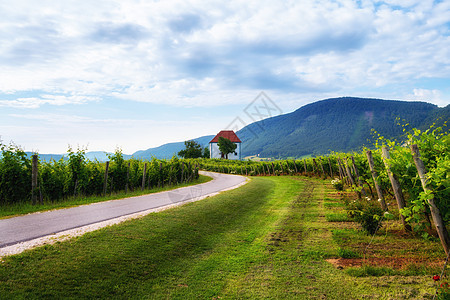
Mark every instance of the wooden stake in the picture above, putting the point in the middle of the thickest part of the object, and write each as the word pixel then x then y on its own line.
pixel 105 181
pixel 435 213
pixel 34 178
pixel 375 180
pixel 321 166
pixel 128 178
pixel 395 186
pixel 331 170
pixel 357 177
pixel 143 176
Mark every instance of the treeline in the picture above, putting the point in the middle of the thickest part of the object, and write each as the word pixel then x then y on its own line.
pixel 22 181
pixel 392 175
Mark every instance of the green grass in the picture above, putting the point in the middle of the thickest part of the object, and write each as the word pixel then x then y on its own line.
pixel 347 253
pixel 26 208
pixel 265 240
pixel 338 217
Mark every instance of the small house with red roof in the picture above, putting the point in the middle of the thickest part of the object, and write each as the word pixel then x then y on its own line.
pixel 214 147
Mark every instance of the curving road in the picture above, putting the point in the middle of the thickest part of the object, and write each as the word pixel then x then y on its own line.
pixel 29 227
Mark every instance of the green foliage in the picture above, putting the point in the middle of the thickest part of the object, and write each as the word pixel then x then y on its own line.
pixel 337 184
pixel 226 146
pixel 15 174
pixel 78 176
pixel 347 253
pixel 192 150
pixel 367 213
pixel 206 153
pixel 434 146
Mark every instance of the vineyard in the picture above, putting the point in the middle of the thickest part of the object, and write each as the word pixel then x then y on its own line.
pixel 388 173
pixel 405 183
pixel 27 180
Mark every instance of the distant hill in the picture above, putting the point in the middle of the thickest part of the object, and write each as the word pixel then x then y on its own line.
pixel 338 124
pixel 167 151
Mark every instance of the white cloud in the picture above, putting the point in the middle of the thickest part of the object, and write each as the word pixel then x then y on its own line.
pixel 156 50
pixel 433 96
pixel 57 100
pixel 215 53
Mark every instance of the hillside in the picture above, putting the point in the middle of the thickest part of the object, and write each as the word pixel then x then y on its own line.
pixel 338 124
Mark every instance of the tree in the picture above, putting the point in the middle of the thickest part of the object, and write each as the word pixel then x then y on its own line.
pixel 226 146
pixel 206 153
pixel 192 150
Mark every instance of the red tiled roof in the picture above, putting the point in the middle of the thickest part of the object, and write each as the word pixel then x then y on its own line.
pixel 228 134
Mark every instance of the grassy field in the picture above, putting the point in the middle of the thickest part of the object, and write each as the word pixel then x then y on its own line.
pixel 26 208
pixel 266 240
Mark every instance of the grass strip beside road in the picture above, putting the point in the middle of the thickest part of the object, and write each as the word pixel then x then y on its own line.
pixel 265 240
pixel 14 210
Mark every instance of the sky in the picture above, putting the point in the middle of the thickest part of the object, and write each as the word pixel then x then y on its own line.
pixel 135 74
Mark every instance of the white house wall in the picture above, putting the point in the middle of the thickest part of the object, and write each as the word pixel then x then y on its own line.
pixel 215 152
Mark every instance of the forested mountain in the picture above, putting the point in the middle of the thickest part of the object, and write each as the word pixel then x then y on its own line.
pixel 338 124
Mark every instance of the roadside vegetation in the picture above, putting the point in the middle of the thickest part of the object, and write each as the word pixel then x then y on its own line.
pixel 16 209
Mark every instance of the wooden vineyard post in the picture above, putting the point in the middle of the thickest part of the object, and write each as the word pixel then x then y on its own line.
pixel 349 174
pixel 149 180
pixel 435 213
pixel 182 171
pixel 105 181
pixel 331 169
pixel 34 178
pixel 143 176
pixel 321 166
pixel 341 171
pixel 314 166
pixel 304 163
pixel 128 178
pixel 357 177
pixel 159 175
pixel 273 169
pixel 395 186
pixel 375 182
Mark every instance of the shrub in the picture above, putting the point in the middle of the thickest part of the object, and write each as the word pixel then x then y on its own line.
pixel 337 184
pixel 368 215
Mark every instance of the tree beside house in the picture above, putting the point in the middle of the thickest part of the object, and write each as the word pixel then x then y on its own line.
pixel 228 151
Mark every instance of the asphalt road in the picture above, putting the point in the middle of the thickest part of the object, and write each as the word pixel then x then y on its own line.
pixel 36 225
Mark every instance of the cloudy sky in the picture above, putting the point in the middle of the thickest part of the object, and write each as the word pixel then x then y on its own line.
pixel 136 74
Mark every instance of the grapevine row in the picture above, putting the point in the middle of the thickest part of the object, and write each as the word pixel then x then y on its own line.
pixel 78 176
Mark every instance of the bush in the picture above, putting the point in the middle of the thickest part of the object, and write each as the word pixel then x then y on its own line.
pixel 337 184
pixel 368 215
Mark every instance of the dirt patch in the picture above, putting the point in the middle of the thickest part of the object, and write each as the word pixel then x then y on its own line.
pixel 397 263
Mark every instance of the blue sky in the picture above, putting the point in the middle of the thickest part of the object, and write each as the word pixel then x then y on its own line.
pixel 138 74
